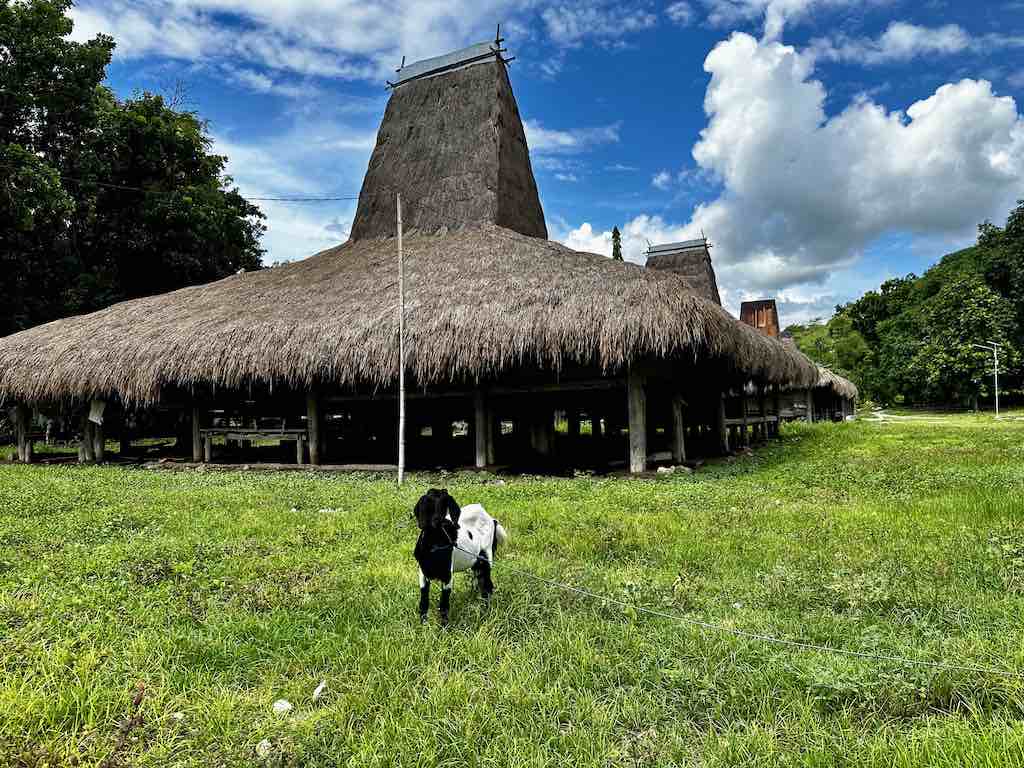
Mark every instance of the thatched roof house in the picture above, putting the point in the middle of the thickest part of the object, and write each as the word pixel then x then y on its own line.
pixel 489 300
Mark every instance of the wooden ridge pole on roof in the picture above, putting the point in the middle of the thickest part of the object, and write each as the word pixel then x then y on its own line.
pixel 401 346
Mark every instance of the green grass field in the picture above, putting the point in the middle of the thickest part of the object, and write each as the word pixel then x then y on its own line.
pixel 224 592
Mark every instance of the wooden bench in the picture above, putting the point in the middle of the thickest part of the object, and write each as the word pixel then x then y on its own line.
pixel 300 436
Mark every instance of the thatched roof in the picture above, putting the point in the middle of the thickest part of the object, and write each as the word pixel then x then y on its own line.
pixel 839 386
pixel 692 260
pixel 455 148
pixel 480 301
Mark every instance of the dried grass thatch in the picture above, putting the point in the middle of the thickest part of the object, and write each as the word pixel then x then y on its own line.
pixel 480 300
pixel 839 386
pixel 455 146
pixel 694 264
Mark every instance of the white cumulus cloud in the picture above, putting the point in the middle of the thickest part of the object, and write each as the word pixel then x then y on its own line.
pixel 901 41
pixel 544 141
pixel 804 193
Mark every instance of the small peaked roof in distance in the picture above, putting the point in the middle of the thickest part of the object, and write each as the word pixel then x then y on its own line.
pixel 452 143
pixel 479 301
pixel 465 57
pixel 762 314
pixel 692 260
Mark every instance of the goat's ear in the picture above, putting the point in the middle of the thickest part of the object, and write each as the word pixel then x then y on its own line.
pixel 453 507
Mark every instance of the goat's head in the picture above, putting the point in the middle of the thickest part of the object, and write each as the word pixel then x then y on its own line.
pixel 433 507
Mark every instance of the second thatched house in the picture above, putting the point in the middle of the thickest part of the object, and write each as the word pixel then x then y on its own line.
pixel 518 348
pixel 830 398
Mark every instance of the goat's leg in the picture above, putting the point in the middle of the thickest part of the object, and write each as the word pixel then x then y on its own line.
pixel 446 596
pixel 424 597
pixel 482 571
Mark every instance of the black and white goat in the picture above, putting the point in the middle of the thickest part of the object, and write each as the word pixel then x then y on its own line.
pixel 453 539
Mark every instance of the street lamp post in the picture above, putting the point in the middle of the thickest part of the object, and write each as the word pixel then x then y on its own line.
pixel 993 347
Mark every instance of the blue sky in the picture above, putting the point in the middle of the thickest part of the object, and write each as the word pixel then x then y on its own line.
pixel 822 145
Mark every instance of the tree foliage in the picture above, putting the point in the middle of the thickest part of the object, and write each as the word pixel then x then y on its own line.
pixel 616 244
pixel 913 339
pixel 101 199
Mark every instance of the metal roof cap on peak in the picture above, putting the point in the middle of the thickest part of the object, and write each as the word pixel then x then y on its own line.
pixel 681 246
pixel 449 62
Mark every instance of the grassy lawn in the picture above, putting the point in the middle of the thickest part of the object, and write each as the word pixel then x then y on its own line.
pixel 224 592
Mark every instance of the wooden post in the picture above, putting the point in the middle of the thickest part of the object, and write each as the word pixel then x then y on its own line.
pixel 744 436
pixel 20 429
pixel 481 428
pixel 300 449
pixel 99 442
pixel 762 405
pixel 572 416
pixel 777 402
pixel 208 448
pixel 720 426
pixel 678 430
pixel 810 406
pixel 313 425
pixel 197 438
pixel 636 402
pixel 493 432
pixel 87 447
pixel 541 429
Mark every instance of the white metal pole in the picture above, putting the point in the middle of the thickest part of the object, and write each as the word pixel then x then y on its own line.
pixel 401 347
pixel 995 354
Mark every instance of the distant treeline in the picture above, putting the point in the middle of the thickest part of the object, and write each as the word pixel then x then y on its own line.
pixel 912 341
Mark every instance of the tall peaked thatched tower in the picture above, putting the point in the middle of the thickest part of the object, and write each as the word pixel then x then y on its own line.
pixel 453 142
pixel 692 260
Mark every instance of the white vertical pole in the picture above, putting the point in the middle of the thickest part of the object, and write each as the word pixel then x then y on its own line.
pixel 995 353
pixel 401 347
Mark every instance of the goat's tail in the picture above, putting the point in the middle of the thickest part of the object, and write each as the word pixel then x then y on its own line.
pixel 500 535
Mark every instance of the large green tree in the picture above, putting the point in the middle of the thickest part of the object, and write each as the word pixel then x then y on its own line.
pixel 100 199
pixel 913 339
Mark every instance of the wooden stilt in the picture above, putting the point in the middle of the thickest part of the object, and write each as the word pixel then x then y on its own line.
pixel 720 426
pixel 21 427
pixel 678 430
pixel 481 428
pixel 197 438
pixel 762 407
pixel 777 403
pixel 636 401
pixel 87 448
pixel 99 443
pixel 744 435
pixel 313 426
pixel 541 431
pixel 573 416
pixel 810 406
pixel 493 432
